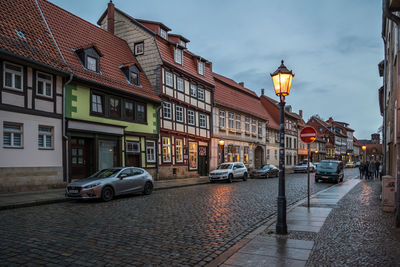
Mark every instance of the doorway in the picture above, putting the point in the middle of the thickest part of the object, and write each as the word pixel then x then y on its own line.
pixel 203 161
pixel 258 157
pixel 79 153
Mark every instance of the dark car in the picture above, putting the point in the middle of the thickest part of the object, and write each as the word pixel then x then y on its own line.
pixel 329 170
pixel 266 171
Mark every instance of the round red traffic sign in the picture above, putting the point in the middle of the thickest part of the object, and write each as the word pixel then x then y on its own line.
pixel 308 135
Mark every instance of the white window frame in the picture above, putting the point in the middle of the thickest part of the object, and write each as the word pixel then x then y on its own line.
pixel 259 129
pixel 46 135
pixel 253 126
pixel 180 84
pixel 178 56
pixel 191 117
pixel 222 119
pixel 130 147
pixel 163 34
pixel 167 110
pixel 13 73
pixel 150 151
pixel 179 113
pixel 247 125
pixel 202 121
pixel 97 104
pixel 182 43
pixel 87 63
pixel 200 67
pixel 179 150
pixel 44 82
pixel 200 93
pixel 169 79
pixel 12 134
pixel 193 90
pixel 238 120
pixel 231 119
pixel 139 48
pixel 166 154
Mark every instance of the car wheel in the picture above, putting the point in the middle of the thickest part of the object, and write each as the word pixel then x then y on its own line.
pixel 230 178
pixel 107 194
pixel 212 181
pixel 148 188
pixel 245 176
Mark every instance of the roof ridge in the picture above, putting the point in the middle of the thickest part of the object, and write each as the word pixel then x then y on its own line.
pixel 238 87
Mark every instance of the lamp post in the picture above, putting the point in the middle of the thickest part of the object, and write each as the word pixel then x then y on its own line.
pixel 364 148
pixel 282 79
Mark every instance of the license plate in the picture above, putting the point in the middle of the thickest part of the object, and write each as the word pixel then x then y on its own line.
pixel 326 177
pixel 73 191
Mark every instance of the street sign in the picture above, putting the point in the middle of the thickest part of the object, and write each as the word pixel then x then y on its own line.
pixel 308 135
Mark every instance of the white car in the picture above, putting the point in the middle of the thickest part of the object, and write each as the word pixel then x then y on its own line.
pixel 302 167
pixel 228 172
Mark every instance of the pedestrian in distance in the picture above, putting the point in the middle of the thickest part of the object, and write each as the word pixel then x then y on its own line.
pixel 366 165
pixel 377 165
pixel 371 170
pixel 361 169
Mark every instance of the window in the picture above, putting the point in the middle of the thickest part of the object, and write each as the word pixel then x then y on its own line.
pixel 295 143
pixel 179 113
pixel 200 67
pixel 97 103
pixel 150 151
pixel 231 118
pixel 169 79
pixel 128 111
pixel 179 150
pixel 182 43
pixel 140 112
pixel 276 154
pixel 268 154
pixel 247 125
pixel 222 118
pixel 266 134
pixel 192 156
pixel 12 135
pixel 139 48
pixel 44 84
pixel 191 117
pixel 178 55
pixel 13 76
pixel 115 107
pixel 253 126
pixel 166 149
pixel 294 159
pixel 45 137
pixel 134 77
pixel 238 126
pixel 200 93
pixel 277 139
pixel 180 84
pixel 202 121
pixel 163 34
pixel 260 129
pixel 132 147
pixel 193 90
pixel 167 114
pixel 91 63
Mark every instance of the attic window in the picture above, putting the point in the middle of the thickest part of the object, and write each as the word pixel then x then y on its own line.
pixel 182 43
pixel 90 58
pixel 91 63
pixel 132 74
pixel 134 78
pixel 163 34
pixel 139 48
pixel 178 55
pixel 200 67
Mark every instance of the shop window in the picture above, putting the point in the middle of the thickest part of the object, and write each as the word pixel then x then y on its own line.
pixel 150 151
pixel 12 135
pixel 108 154
pixel 246 155
pixel 45 137
pixel 179 150
pixel 166 149
pixel 12 76
pixel 192 156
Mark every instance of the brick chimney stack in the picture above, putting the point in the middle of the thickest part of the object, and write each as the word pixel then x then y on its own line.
pixel 241 84
pixel 301 113
pixel 110 17
pixel 262 91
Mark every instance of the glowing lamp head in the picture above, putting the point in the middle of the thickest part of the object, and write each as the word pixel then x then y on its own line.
pixel 282 79
pixel 364 148
pixel 221 142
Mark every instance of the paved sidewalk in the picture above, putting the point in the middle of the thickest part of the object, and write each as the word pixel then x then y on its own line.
pixel 33 198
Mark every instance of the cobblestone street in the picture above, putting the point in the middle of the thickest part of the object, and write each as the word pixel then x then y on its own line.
pixel 182 226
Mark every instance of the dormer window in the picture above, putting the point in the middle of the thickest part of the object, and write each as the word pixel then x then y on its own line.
pixel 163 34
pixel 200 67
pixel 182 43
pixel 178 55
pixel 139 48
pixel 90 58
pixel 132 74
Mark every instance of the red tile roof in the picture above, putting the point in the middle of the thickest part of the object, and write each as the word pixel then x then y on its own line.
pixel 72 32
pixel 38 46
pixel 356 142
pixel 236 97
pixel 272 111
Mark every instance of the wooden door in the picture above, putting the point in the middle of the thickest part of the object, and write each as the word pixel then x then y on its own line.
pixel 203 161
pixel 78 158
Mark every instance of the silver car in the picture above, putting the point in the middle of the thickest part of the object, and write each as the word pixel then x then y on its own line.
pixel 229 171
pixel 111 182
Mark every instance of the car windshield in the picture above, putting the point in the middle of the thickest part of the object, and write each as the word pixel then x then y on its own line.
pixel 267 167
pixel 327 165
pixel 225 166
pixel 106 173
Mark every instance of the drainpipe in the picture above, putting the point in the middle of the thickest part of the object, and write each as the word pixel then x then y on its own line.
pixel 65 137
pixel 158 130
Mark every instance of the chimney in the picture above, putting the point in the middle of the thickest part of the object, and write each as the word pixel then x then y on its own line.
pixel 110 17
pixel 262 91
pixel 241 84
pixel 301 113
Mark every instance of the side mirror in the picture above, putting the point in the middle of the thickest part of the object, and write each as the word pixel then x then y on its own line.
pixel 123 175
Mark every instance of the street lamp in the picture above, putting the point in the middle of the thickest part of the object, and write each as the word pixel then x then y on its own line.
pixel 282 79
pixel 364 148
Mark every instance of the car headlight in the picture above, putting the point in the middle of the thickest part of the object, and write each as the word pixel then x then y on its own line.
pixel 91 186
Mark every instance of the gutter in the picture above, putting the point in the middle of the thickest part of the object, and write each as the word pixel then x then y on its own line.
pixel 159 136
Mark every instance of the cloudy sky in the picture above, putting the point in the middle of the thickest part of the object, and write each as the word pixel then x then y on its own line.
pixel 333 47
